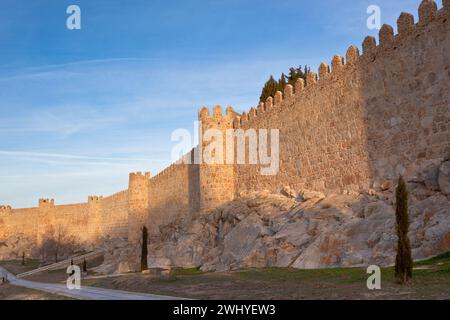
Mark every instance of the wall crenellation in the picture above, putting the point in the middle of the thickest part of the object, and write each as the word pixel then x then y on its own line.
pixel 5 209
pixel 46 202
pixel 118 196
pixel 94 199
pixel 214 181
pixel 428 12
pixel 217 114
pixel 139 175
pixel 359 120
pixel 353 76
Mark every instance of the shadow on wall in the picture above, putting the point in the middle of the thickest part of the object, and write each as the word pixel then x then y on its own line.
pixel 174 193
pixel 56 245
pixel 371 118
pixel 405 83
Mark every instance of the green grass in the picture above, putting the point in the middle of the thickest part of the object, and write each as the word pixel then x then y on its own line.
pixel 442 258
pixel 186 272
pixel 430 281
pixel 438 264
pixel 341 275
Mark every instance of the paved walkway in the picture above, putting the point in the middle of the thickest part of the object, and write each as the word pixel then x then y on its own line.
pixel 85 293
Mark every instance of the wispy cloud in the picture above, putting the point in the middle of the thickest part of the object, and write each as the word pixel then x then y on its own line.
pixel 66 156
pixel 62 124
pixel 62 69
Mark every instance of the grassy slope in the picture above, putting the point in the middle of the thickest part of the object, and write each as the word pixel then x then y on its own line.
pixel 16 267
pixel 431 281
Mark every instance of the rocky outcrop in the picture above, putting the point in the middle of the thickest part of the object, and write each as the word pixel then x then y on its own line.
pixel 119 257
pixel 306 195
pixel 444 178
pixel 267 230
pixel 430 177
pixel 300 229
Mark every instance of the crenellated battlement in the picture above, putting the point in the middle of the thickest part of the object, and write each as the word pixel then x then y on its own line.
pixel 169 170
pixel 360 119
pixel 138 186
pixel 46 202
pixel 388 42
pixel 118 196
pixel 95 199
pixel 5 209
pixel 214 182
pixel 427 12
pixel 406 27
pixel 216 120
pixel 139 175
pixel 217 114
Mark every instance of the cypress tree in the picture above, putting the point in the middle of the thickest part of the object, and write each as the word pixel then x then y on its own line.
pixel 403 260
pixel 144 251
pixel 84 265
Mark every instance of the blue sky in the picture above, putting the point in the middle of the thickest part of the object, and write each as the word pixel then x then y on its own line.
pixel 80 109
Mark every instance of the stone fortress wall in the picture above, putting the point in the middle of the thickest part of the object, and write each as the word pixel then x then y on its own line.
pixel 365 120
pixel 370 118
pixel 169 196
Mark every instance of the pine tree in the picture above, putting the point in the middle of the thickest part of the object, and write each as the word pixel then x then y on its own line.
pixel 295 74
pixel 403 260
pixel 269 89
pixel 281 83
pixel 272 86
pixel 144 251
pixel 292 76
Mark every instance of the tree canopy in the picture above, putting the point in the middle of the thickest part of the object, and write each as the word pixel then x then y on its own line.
pixel 272 85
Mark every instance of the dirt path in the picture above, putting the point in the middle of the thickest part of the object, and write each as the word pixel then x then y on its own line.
pixel 85 293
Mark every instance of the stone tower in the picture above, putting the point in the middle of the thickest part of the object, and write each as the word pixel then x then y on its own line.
pixel 5 211
pixel 46 220
pixel 216 176
pixel 94 218
pixel 138 205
